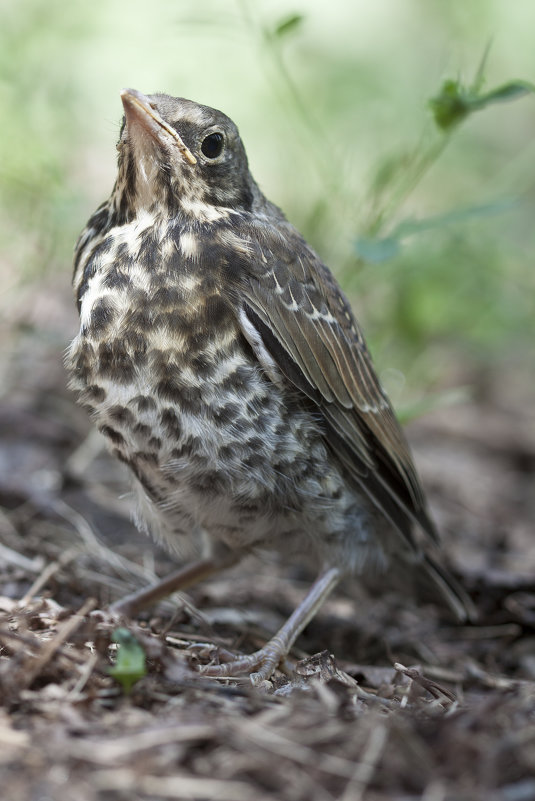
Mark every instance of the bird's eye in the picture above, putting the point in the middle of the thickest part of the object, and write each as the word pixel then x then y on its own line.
pixel 212 145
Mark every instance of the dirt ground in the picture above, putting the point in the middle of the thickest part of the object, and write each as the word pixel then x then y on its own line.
pixel 386 699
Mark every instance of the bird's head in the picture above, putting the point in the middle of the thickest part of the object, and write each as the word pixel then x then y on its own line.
pixel 179 157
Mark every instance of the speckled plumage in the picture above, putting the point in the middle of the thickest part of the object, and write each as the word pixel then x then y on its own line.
pixel 222 362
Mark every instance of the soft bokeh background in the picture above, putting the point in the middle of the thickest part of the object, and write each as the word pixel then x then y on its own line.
pixel 330 108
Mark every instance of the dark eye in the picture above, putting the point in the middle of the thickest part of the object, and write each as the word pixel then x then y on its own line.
pixel 212 146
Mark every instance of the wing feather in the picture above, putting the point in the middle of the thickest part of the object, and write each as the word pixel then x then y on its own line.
pixel 306 324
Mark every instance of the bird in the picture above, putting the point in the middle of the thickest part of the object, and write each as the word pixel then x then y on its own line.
pixel 223 364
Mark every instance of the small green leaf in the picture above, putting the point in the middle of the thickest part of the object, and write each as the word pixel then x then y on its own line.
pixel 509 91
pixel 288 25
pixel 455 102
pixel 130 663
pixel 439 221
pixel 375 251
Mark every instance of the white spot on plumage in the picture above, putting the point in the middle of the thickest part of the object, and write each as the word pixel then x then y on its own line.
pixel 278 288
pixel 237 243
pixel 203 212
pixel 293 306
pixel 257 344
pixel 189 283
pixel 189 245
pixel 92 294
pixel 168 245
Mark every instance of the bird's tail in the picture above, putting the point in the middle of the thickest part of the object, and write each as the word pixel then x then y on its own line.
pixel 433 577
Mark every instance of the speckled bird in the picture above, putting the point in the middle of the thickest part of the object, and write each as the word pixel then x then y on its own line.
pixel 223 364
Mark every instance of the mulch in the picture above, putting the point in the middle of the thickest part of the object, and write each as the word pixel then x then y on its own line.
pixel 382 699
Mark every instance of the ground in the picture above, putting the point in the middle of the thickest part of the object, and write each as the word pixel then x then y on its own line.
pixel 384 699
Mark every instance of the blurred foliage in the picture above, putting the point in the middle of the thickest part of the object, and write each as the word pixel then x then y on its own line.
pixel 37 143
pixel 455 102
pixel 433 244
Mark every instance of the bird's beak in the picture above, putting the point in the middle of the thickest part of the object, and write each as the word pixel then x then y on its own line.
pixel 138 110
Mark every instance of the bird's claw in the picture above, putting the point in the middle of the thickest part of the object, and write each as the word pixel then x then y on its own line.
pixel 260 665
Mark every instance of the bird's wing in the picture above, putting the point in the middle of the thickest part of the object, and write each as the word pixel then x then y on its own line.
pixel 293 311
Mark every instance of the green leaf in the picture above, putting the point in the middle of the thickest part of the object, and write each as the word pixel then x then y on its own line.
pixel 375 251
pixel 509 91
pixel 288 25
pixel 130 663
pixel 412 226
pixel 455 102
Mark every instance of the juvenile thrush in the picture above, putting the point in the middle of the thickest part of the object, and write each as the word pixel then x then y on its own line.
pixel 222 362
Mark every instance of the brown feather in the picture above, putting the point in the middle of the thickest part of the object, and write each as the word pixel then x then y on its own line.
pixel 298 305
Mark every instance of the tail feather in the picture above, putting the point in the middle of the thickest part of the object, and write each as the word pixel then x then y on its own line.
pixel 449 588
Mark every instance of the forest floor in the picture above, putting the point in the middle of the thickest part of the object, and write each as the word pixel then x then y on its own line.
pixel 385 699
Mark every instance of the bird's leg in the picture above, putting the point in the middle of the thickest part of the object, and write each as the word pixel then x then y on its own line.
pixel 182 578
pixel 267 658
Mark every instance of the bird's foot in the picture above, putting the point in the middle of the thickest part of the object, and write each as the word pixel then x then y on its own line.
pixel 260 665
